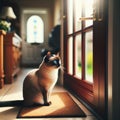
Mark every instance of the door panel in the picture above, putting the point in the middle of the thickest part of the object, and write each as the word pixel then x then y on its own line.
pixel 31 54
pixel 86 61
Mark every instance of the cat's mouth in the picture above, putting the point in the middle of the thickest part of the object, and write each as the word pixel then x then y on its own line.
pixel 58 65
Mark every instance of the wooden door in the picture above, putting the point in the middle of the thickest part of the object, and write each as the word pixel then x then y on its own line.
pixel 85 51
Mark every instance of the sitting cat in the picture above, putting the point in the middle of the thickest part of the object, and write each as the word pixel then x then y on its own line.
pixel 39 83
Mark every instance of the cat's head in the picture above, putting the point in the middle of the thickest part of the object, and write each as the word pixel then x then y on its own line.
pixel 52 60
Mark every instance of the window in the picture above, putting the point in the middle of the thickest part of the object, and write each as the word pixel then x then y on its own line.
pixel 78 56
pixel 35 29
pixel 78 48
pixel 80 40
pixel 89 56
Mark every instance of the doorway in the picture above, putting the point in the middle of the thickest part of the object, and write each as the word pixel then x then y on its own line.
pixel 33 43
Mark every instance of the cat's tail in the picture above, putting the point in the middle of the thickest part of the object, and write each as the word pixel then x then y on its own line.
pixel 11 103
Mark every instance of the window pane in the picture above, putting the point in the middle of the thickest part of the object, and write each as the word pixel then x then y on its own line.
pixel 70 55
pixel 89 56
pixel 78 56
pixel 78 14
pixel 70 16
pixel 88 11
pixel 35 30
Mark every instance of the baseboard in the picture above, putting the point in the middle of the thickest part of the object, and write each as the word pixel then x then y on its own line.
pixel 86 105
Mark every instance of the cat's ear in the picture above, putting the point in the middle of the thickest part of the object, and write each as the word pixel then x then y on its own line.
pixel 58 54
pixel 48 53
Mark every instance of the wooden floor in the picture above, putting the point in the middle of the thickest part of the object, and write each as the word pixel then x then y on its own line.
pixel 14 92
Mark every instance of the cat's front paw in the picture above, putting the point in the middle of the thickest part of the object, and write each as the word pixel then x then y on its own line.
pixel 48 103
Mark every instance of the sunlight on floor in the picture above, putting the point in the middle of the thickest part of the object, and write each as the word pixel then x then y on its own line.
pixel 52 108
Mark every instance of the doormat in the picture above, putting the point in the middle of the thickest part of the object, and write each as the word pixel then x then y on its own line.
pixel 62 106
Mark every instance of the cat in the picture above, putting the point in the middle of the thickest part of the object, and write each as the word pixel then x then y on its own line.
pixel 39 83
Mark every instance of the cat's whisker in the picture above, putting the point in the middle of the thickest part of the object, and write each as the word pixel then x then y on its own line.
pixel 62 68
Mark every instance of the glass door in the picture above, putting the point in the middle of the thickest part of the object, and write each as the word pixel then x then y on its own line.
pixel 85 51
pixel 80 39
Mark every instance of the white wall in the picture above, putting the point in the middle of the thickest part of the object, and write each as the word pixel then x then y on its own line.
pixel 57 12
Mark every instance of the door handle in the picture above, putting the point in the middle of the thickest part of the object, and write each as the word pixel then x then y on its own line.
pixel 97 12
pixel 87 18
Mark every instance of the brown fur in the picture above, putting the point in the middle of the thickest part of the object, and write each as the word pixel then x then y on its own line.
pixel 39 83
